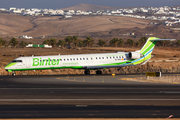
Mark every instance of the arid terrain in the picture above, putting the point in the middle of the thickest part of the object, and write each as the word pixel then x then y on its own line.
pixel 11 24
pixel 166 60
pixel 105 27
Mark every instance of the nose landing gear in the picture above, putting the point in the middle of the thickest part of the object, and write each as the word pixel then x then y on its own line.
pixel 14 73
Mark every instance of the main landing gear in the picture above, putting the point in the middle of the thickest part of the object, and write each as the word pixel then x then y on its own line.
pixel 87 72
pixel 13 73
pixel 99 72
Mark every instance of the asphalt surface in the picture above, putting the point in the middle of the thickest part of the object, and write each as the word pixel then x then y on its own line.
pixel 59 111
pixel 86 96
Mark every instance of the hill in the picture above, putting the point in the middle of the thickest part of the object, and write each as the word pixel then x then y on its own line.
pixel 11 24
pixel 54 26
pixel 88 7
pixel 105 27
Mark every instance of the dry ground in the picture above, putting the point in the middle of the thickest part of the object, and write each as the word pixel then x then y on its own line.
pixel 55 26
pixel 105 27
pixel 11 25
pixel 15 25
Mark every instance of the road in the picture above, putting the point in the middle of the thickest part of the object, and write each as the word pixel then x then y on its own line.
pixel 86 96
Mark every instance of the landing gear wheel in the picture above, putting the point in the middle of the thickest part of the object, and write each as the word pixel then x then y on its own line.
pixel 98 72
pixel 87 72
pixel 13 74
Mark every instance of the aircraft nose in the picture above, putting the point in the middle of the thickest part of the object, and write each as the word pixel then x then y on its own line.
pixel 9 66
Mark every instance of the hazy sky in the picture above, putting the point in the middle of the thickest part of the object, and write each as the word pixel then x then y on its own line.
pixel 56 4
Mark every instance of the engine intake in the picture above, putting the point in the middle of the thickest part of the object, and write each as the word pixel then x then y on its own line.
pixel 135 55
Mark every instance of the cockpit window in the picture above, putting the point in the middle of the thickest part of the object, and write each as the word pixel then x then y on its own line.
pixel 16 61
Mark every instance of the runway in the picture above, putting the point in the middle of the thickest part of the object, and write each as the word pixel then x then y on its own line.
pixel 86 90
pixel 69 111
pixel 86 96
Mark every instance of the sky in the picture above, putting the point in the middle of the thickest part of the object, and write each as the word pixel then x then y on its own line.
pixel 57 4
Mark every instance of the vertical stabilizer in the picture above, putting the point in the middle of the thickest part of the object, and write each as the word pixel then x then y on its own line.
pixel 147 49
pixel 149 46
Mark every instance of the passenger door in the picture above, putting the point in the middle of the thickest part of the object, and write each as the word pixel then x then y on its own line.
pixel 27 62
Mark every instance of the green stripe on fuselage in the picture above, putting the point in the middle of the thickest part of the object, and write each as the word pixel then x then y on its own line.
pixel 119 63
pixel 45 68
pixel 142 60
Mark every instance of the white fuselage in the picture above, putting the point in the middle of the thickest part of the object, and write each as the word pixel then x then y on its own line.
pixel 79 61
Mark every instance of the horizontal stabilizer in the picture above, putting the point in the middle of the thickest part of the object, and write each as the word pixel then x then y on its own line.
pixel 162 39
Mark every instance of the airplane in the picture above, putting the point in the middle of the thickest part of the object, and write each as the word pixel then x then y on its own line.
pixel 85 61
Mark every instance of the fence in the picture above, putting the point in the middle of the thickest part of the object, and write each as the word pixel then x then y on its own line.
pixel 174 79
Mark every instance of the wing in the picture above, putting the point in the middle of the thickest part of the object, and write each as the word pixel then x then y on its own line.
pixel 108 66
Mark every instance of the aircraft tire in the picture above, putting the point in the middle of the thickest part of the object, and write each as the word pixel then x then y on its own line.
pixel 87 72
pixel 13 74
pixel 98 72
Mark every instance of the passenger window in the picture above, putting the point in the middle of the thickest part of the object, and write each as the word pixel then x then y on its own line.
pixel 73 58
pixel 122 56
pixel 91 58
pixel 86 58
pixel 110 57
pixel 83 58
pixel 107 57
pixel 102 57
pixel 64 59
pixel 116 56
pixel 67 59
pixel 77 58
pixel 80 58
pixel 96 58
pixel 99 57
pixel 113 57
pixel 119 56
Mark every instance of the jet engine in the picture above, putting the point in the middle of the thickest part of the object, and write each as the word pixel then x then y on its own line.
pixel 135 55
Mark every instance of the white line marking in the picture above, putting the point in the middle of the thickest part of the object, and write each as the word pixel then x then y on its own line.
pixel 81 105
pixel 170 91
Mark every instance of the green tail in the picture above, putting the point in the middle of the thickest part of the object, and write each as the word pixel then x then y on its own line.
pixel 149 46
pixel 147 50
